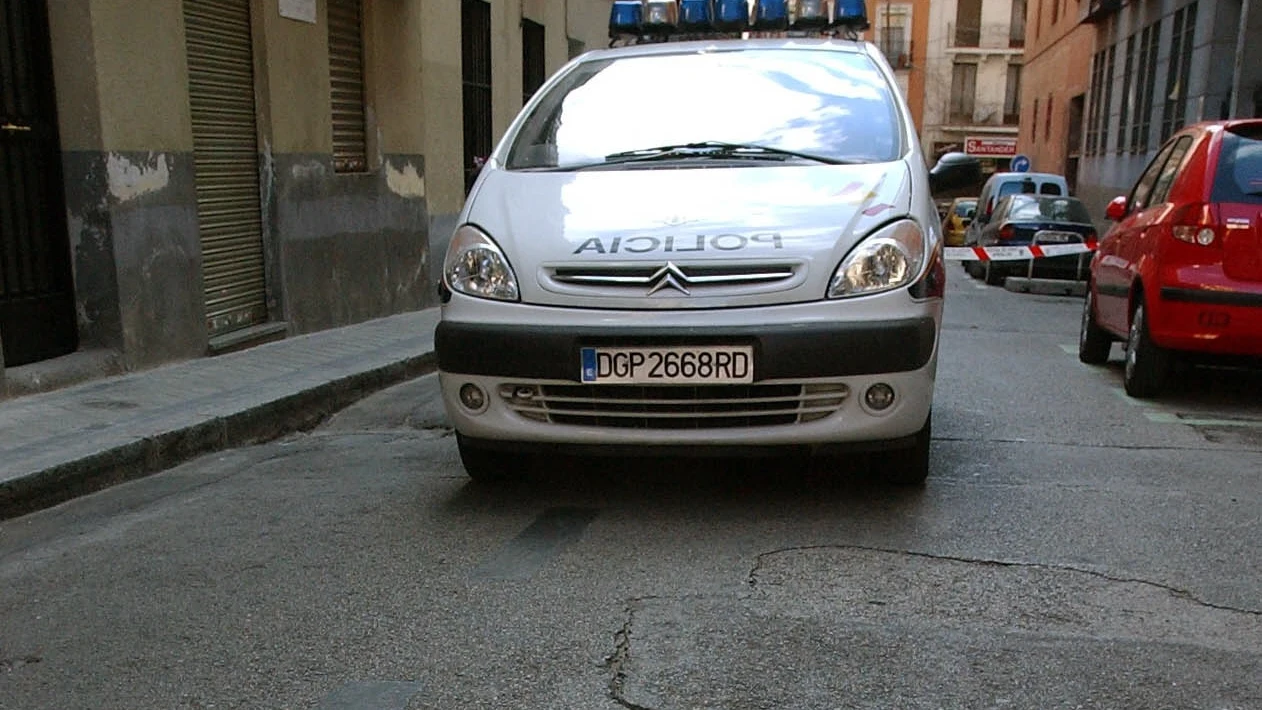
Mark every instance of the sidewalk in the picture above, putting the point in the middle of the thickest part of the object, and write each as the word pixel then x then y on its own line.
pixel 68 442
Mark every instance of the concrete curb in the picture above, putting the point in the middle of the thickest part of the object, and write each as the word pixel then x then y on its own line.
pixel 299 411
pixel 1045 287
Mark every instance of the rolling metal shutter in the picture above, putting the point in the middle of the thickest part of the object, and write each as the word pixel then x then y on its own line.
pixel 346 81
pixel 226 162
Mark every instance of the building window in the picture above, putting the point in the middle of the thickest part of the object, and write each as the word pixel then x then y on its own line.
pixel 1093 137
pixel 968 23
pixel 1016 26
pixel 963 92
pixel 1106 100
pixel 1012 96
pixel 1177 74
pixel 1146 86
pixel 1038 19
pixel 1034 122
pixel 346 86
pixel 1047 125
pixel 1055 12
pixel 892 34
pixel 1127 102
pixel 533 65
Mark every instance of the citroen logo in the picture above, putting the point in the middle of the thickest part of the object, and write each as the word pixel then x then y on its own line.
pixel 668 276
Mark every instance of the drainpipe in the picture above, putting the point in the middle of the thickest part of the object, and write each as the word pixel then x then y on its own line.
pixel 1240 42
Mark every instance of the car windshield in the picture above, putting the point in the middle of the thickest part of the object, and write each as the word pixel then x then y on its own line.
pixel 821 103
pixel 1055 209
pixel 1239 176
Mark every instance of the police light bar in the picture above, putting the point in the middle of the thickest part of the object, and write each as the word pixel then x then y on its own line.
pixel 731 15
pixel 660 16
pixel 658 20
pixel 771 15
pixel 851 15
pixel 812 14
pixel 696 15
pixel 625 18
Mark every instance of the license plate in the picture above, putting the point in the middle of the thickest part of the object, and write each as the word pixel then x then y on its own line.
pixel 686 364
pixel 1056 238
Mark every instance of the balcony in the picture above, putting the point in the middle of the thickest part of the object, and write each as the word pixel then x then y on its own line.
pixel 997 36
pixel 1096 11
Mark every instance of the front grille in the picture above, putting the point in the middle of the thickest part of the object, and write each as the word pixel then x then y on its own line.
pixel 641 277
pixel 675 406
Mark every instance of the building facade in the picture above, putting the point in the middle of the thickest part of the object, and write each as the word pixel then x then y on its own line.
pixel 1159 65
pixel 900 29
pixel 179 179
pixel 1057 75
pixel 974 79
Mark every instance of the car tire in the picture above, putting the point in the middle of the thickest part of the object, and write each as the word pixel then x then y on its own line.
pixel 974 268
pixel 910 466
pixel 486 465
pixel 1146 362
pixel 1094 343
pixel 994 276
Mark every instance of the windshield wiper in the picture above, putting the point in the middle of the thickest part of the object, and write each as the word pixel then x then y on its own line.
pixel 716 149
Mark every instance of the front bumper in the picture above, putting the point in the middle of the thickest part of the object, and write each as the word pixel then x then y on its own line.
pixel 804 356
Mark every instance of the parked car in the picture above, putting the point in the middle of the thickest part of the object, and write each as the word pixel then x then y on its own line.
pixel 1025 220
pixel 1179 274
pixel 959 215
pixel 666 250
pixel 1000 185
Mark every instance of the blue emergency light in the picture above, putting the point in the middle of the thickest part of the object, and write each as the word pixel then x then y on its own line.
pixel 852 15
pixel 696 15
pixel 771 15
pixel 812 14
pixel 731 15
pixel 625 18
pixel 660 16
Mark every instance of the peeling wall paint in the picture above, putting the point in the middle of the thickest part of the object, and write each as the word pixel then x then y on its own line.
pixel 129 180
pixel 406 182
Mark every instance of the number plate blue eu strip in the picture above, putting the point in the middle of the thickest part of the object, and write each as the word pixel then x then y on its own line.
pixel 589 364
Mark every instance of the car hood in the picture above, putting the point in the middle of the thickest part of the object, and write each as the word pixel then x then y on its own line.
pixel 650 238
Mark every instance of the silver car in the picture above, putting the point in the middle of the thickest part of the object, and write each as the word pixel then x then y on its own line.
pixel 704 247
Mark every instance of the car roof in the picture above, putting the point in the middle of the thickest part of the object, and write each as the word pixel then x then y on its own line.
pixel 1031 176
pixel 727 45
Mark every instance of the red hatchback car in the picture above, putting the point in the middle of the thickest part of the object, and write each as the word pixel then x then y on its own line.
pixel 1180 273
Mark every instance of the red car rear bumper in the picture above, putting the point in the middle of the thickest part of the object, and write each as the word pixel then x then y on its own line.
pixel 1213 320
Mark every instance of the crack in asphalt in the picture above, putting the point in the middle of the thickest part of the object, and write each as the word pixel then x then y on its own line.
pixel 752 579
pixel 622 652
pixel 1079 445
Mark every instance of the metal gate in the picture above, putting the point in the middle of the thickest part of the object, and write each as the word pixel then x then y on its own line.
pixel 226 162
pixel 37 311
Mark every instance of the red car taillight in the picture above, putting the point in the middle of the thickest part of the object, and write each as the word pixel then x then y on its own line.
pixel 1006 232
pixel 1194 223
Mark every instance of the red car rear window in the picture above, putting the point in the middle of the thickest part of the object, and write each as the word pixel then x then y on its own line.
pixel 1239 177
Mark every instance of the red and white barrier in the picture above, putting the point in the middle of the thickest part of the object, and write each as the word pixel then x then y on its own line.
pixel 1033 251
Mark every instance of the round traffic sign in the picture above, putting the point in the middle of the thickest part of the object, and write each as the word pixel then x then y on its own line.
pixel 1020 164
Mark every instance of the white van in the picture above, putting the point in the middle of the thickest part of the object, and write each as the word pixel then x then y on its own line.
pixel 699 246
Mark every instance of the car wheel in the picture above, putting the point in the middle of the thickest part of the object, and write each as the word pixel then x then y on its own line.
pixel 486 465
pixel 1093 342
pixel 910 466
pixel 1146 362
pixel 974 268
pixel 994 275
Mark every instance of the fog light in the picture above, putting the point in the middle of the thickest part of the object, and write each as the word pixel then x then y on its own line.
pixel 879 397
pixel 472 397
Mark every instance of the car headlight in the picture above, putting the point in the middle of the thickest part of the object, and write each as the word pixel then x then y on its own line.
pixel 475 266
pixel 888 258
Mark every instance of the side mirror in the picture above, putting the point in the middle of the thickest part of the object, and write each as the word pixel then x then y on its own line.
pixel 1116 209
pixel 955 170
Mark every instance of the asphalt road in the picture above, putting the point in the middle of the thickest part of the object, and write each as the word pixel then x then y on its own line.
pixel 1072 549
